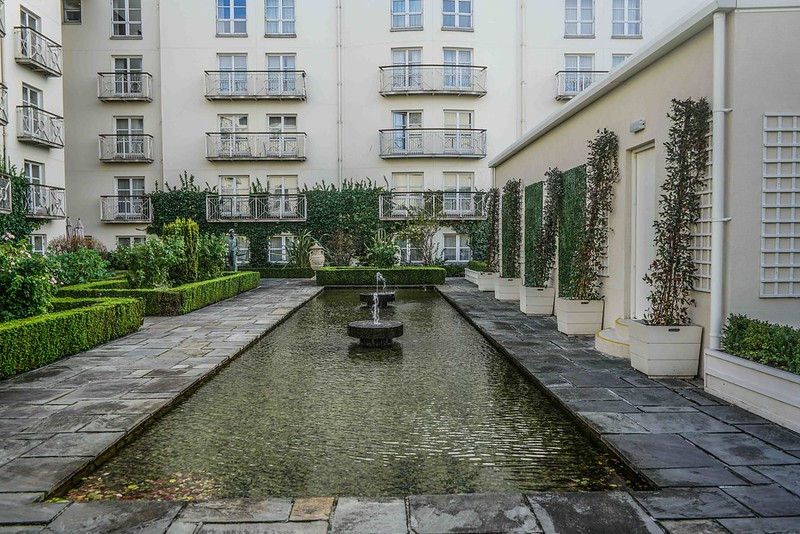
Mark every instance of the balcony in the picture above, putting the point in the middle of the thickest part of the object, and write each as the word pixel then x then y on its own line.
pixel 126 148
pixel 37 51
pixel 5 194
pixel 3 104
pixel 2 18
pixel 45 202
pixel 571 82
pixel 433 80
pixel 256 85
pixel 432 143
pixel 443 205
pixel 39 127
pixel 126 209
pixel 257 207
pixel 256 146
pixel 128 86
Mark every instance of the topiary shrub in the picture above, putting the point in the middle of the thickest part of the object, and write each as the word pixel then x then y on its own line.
pixel 187 231
pixel 759 341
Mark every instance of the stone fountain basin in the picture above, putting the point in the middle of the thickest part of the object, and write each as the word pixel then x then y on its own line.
pixel 371 334
pixel 384 298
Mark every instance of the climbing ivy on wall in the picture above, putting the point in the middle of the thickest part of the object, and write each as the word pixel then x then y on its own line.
pixel 534 195
pixel 493 241
pixel 16 222
pixel 478 232
pixel 512 228
pixel 544 237
pixel 569 223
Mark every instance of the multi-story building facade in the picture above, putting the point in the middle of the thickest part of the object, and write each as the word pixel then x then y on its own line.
pixel 275 95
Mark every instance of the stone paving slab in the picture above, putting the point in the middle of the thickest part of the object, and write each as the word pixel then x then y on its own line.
pixel 112 516
pixel 434 514
pixel 368 516
pixel 596 513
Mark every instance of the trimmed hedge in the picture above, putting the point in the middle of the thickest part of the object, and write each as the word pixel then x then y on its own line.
pixel 570 224
pixel 759 341
pixel 77 325
pixel 282 272
pixel 454 270
pixel 173 301
pixel 395 276
pixel 477 266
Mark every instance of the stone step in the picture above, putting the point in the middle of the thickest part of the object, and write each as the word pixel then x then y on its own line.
pixel 621 326
pixel 610 342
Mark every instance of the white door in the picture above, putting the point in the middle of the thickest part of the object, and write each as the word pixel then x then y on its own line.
pixel 644 213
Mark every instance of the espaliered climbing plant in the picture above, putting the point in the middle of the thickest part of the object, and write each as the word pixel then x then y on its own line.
pixel 541 256
pixel 672 272
pixel 493 242
pixel 512 228
pixel 602 172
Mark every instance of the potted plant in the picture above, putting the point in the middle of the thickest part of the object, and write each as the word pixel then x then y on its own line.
pixel 665 343
pixel 580 309
pixel 487 278
pixel 508 283
pixel 535 297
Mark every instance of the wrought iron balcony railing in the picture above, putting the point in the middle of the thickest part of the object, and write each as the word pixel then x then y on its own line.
pixel 255 85
pixel 46 202
pixel 2 18
pixel 3 105
pixel 37 51
pixel 39 127
pixel 571 82
pixel 126 148
pixel 5 194
pixel 444 205
pixel 127 86
pixel 256 146
pixel 255 207
pixel 126 208
pixel 432 143
pixel 433 80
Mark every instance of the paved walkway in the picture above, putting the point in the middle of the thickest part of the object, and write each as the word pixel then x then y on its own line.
pixel 718 468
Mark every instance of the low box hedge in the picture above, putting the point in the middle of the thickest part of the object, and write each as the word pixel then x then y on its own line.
pixel 759 341
pixel 283 272
pixel 75 325
pixel 475 265
pixel 172 301
pixel 395 276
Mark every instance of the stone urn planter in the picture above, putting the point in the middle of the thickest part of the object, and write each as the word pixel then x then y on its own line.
pixel 537 300
pixel 316 256
pixel 583 317
pixel 506 289
pixel 660 351
pixel 771 393
pixel 486 281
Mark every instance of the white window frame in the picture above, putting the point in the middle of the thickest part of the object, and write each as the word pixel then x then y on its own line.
pixel 282 73
pixel 409 252
pixel 233 130
pixel 285 24
pixel 406 72
pixel 460 251
pixel 231 26
pixel 130 240
pixel 407 189
pixel 575 25
pixel 37 197
pixel 457 193
pixel 618 59
pixel 132 27
pixel 578 76
pixel 233 73
pixel 38 243
pixel 453 18
pixel 458 68
pixel 282 139
pixel 461 137
pixel 407 126
pixel 130 136
pixel 403 18
pixel 72 13
pixel 130 191
pixel 236 190
pixel 285 187
pixel 280 254
pixel 626 18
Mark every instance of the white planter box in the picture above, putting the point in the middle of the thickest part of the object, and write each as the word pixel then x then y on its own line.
pixel 537 300
pixel 507 289
pixel 471 276
pixel 579 316
pixel 763 390
pixel 665 350
pixel 486 281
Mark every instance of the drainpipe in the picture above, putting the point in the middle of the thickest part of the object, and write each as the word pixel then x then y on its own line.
pixel 718 172
pixel 522 28
pixel 339 78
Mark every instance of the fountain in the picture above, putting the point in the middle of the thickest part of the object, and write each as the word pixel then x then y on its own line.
pixel 376 333
pixel 384 297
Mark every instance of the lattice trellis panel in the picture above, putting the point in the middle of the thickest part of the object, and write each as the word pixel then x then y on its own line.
pixel 701 234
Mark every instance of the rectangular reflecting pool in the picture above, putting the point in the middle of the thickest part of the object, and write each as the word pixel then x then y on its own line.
pixel 308 412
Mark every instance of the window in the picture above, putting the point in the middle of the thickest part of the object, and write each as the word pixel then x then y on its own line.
pixel 578 75
pixel 409 251
pixel 407 192
pixel 37 194
pixel 456 248
pixel 231 17
pixel 406 73
pixel 233 136
pixel 30 41
pixel 627 18
pixel 618 59
pixel 281 77
pixel 279 246
pixel 280 17
pixel 457 14
pixel 72 11
pixel 234 196
pixel 579 18
pixel 38 243
pixel 458 193
pixel 129 137
pixel 130 197
pixel 458 136
pixel 282 139
pixel 286 189
pixel 406 14
pixel 128 76
pixel 126 18
pixel 405 138
pixel 233 73
pixel 130 240
pixel 457 71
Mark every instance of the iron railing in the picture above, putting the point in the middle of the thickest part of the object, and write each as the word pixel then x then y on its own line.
pixel 255 146
pixel 2 18
pixel 433 80
pixel 255 85
pixel 5 194
pixel 125 86
pixel 571 82
pixel 432 143
pixel 255 207
pixel 126 208
pixel 37 51
pixel 443 205
pixel 3 104
pixel 126 148
pixel 46 202
pixel 39 127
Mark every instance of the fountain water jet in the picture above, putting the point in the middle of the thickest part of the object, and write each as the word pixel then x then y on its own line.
pixel 376 333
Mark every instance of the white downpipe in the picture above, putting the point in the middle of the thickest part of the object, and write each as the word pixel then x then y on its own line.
pixel 522 29
pixel 339 99
pixel 718 172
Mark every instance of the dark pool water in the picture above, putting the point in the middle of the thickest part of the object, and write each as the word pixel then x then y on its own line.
pixel 307 412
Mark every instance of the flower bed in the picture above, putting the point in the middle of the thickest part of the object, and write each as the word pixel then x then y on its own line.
pixel 395 276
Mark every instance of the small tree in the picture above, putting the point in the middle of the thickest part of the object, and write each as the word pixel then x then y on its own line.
pixel 212 253
pixel 493 241
pixel 512 228
pixel 672 272
pixel 544 244
pixel 420 230
pixel 189 232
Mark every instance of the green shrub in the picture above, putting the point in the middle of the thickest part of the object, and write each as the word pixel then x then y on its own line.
pixel 187 231
pixel 477 265
pixel 298 250
pixel 511 223
pixel 27 281
pixel 83 265
pixel 211 256
pixel 78 325
pixel 149 263
pixel 454 269
pixel 63 244
pixel 395 276
pixel 382 252
pixel 771 344
pixel 283 272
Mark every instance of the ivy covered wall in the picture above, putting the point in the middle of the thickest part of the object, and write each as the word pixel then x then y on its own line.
pixel 534 198
pixel 570 223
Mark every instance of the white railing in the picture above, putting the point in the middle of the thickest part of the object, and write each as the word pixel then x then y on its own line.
pixel 126 148
pixel 2 18
pixel 40 127
pixel 571 82
pixel 46 202
pixel 432 142
pixel 253 146
pixel 122 209
pixel 3 105
pixel 443 205
pixel 5 194
pixel 255 207
pixel 255 84
pixel 37 51
pixel 125 86
pixel 433 79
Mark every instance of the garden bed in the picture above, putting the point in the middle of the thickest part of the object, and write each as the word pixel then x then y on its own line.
pixel 394 276
pixel 172 301
pixel 75 325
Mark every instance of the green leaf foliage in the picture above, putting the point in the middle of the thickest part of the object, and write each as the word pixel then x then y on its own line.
pixel 759 341
pixel 148 264
pixel 534 195
pixel 478 232
pixel 542 229
pixel 395 276
pixel 476 265
pixel 283 272
pixel 83 265
pixel 211 256
pixel 17 222
pixel 569 224
pixel 188 232
pixel 493 238
pixel 27 280
pixel 512 228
